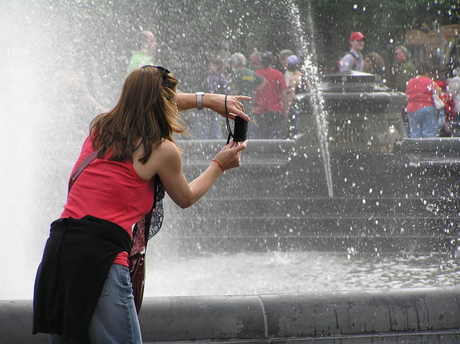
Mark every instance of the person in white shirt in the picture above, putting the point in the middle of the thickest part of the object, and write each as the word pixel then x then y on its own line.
pixel 354 59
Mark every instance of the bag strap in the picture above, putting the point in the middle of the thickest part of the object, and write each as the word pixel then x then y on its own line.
pixel 148 216
pixel 80 168
pixel 90 158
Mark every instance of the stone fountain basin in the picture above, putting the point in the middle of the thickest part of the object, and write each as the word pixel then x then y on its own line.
pixel 385 316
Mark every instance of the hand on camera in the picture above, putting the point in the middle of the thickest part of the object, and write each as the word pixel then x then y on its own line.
pixel 216 102
pixel 230 156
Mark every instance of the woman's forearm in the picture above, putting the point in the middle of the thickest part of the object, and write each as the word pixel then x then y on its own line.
pixel 216 102
pixel 201 185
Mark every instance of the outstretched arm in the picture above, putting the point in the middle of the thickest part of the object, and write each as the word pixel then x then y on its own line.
pixel 166 161
pixel 215 102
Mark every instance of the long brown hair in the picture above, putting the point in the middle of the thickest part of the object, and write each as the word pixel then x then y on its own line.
pixel 145 114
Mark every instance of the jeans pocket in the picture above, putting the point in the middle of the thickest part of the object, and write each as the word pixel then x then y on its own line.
pixel 125 277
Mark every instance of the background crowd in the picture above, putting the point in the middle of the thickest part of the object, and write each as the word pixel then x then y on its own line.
pixel 433 91
pixel 272 79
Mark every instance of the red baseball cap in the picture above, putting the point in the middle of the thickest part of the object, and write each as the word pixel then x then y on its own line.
pixel 356 36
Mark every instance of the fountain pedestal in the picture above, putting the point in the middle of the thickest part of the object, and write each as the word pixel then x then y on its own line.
pixel 361 114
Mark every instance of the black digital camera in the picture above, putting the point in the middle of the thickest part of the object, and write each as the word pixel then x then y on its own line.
pixel 240 130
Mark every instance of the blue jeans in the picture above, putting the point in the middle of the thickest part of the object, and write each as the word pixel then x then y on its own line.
pixel 115 319
pixel 423 122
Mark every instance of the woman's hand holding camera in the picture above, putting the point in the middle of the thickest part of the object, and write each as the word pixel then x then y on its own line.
pixel 230 156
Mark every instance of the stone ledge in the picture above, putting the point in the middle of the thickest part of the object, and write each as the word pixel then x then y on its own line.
pixel 294 318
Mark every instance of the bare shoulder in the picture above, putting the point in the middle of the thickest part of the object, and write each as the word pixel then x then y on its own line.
pixel 162 154
pixel 166 147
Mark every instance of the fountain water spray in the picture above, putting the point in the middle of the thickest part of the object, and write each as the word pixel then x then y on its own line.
pixel 310 67
pixel 41 144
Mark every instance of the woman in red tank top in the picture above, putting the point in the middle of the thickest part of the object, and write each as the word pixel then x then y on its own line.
pixel 83 290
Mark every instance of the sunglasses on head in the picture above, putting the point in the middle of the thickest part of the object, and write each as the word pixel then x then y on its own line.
pixel 161 69
pixel 164 70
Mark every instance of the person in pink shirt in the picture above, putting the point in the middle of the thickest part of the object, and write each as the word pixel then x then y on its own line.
pixel 421 111
pixel 270 103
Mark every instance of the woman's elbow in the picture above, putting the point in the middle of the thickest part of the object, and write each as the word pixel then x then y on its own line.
pixel 184 206
pixel 185 203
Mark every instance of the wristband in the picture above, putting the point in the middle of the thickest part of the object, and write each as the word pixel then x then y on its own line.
pixel 199 100
pixel 218 163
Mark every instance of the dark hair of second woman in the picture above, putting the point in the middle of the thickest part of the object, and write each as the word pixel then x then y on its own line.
pixel 424 68
pixel 145 114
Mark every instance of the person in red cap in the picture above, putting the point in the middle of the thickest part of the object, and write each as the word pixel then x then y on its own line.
pixel 354 59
